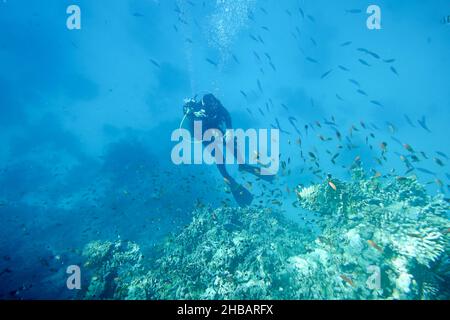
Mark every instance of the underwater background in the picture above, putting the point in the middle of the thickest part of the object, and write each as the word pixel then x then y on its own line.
pixel 86 176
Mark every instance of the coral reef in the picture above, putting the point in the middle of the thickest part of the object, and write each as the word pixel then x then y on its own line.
pixel 389 224
pixel 381 238
pixel 115 267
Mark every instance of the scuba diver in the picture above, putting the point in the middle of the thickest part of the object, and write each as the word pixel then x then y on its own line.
pixel 210 111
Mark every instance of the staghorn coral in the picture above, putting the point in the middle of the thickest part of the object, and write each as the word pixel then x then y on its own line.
pixel 380 239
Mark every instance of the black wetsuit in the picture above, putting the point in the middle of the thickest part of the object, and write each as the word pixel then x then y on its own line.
pixel 213 115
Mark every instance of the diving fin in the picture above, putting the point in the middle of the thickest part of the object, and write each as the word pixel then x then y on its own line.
pixel 256 171
pixel 242 196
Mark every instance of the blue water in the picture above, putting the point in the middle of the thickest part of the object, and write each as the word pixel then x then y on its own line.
pixel 86 115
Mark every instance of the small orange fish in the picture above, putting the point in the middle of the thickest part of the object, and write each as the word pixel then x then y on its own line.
pixel 332 185
pixel 347 279
pixel 383 146
pixel 374 245
pixel 377 174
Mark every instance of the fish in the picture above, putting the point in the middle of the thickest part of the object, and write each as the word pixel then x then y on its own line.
pixel 272 66
pixel 343 68
pixel 335 156
pixel 396 140
pixel 391 127
pixel 373 54
pixel 260 39
pixel 155 63
pixel 215 64
pixel 302 13
pixel 424 155
pixel 439 162
pixel 311 60
pixel 362 92
pixel 408 120
pixel 253 38
pixel 235 59
pixel 257 56
pixel 326 74
pixel 354 82
pixel 394 71
pixel 279 127
pixel 332 185
pixel 389 60
pixel 259 86
pixel 423 124
pixel 347 280
pixel 374 245
pixel 439 183
pixel 442 154
pixel 347 43
pixel 260 111
pixel 292 120
pixel 364 62
pixel 377 103
pixel 408 148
